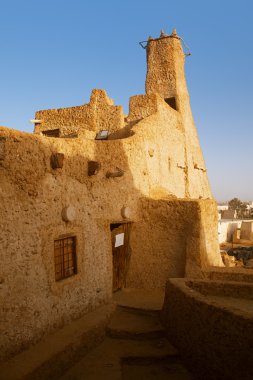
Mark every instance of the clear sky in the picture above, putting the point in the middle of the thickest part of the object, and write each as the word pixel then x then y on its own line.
pixel 54 52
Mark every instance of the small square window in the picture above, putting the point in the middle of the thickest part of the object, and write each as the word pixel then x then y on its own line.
pixel 65 257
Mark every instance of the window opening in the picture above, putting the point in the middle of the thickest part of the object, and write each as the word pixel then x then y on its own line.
pixel 65 257
pixel 52 133
pixel 171 102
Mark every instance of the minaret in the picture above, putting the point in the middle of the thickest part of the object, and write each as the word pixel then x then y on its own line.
pixel 166 77
pixel 165 68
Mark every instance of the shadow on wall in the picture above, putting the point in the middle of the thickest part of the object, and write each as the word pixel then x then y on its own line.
pixel 159 227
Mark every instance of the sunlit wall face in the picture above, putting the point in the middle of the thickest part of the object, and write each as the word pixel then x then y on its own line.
pixel 53 54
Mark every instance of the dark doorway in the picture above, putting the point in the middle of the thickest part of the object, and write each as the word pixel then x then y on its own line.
pixel 120 234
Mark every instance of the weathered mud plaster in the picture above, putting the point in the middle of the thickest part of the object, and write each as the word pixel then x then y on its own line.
pixel 210 323
pixel 174 222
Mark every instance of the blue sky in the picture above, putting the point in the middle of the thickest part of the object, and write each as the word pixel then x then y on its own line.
pixel 54 52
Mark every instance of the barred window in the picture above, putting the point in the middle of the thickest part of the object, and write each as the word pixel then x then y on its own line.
pixel 65 257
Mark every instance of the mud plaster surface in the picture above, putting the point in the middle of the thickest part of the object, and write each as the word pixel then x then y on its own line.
pixel 165 186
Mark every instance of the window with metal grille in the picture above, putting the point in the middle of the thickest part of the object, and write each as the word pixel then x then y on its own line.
pixel 65 257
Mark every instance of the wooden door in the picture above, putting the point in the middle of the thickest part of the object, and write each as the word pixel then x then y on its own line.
pixel 121 253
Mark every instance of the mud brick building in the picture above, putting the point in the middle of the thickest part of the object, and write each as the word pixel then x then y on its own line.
pixel 95 200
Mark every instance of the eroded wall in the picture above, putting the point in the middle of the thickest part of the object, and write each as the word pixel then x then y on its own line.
pixel 33 196
pixel 212 333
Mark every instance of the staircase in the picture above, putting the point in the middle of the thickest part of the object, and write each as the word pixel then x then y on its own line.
pixel 135 347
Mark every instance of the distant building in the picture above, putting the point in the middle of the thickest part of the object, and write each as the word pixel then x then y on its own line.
pixel 228 214
pixel 226 229
pixel 222 207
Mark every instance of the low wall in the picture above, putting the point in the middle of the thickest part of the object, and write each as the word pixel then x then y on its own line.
pixel 216 342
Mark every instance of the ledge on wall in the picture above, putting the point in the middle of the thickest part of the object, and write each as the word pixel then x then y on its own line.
pixel 55 353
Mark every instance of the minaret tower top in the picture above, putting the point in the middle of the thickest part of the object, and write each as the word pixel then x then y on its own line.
pixel 165 66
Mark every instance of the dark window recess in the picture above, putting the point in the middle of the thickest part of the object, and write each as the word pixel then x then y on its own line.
pixel 56 160
pixel 93 167
pixel 52 133
pixel 171 102
pixel 114 225
pixel 65 258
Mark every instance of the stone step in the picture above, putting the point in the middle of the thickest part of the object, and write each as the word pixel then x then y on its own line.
pixel 129 325
pixel 167 368
pixel 141 299
pixel 106 360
